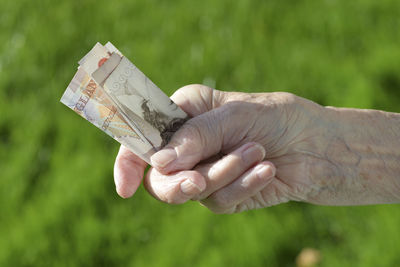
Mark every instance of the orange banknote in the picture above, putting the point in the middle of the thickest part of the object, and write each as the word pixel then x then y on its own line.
pixel 114 95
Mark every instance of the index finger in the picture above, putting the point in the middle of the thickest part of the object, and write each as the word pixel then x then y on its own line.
pixel 128 172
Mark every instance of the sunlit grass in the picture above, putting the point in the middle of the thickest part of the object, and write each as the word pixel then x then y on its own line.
pixel 58 202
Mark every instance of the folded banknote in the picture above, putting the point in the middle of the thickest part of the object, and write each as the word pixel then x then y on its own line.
pixel 114 95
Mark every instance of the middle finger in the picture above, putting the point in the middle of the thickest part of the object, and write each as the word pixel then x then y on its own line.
pixel 230 167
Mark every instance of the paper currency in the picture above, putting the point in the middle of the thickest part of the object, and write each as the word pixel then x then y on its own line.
pixel 114 95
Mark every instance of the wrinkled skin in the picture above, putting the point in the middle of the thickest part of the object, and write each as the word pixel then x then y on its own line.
pixel 244 151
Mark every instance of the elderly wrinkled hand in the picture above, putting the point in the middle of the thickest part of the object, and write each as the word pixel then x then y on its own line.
pixel 243 151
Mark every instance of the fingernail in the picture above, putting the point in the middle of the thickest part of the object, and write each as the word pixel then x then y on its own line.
pixel 162 158
pixel 190 188
pixel 254 153
pixel 264 171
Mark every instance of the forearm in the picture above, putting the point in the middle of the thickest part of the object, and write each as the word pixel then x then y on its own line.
pixel 365 145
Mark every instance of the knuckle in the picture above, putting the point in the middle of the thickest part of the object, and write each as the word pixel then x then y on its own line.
pixel 169 194
pixel 287 96
pixel 272 196
pixel 212 98
pixel 234 108
pixel 220 200
pixel 283 97
pixel 190 88
pixel 238 112
pixel 217 209
pixel 279 99
pixel 195 87
pixel 240 208
pixel 203 196
pixel 171 197
pixel 198 90
pixel 230 165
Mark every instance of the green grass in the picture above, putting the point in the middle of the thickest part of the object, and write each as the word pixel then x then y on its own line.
pixel 58 205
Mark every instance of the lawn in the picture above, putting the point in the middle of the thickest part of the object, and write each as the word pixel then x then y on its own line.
pixel 58 205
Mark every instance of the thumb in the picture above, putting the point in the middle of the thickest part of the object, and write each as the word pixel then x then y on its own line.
pixel 204 136
pixel 196 99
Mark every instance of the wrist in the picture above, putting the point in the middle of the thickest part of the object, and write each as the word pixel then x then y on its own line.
pixel 365 146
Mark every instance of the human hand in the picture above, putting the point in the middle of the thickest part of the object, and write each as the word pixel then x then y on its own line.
pixel 242 166
pixel 309 159
pixel 225 121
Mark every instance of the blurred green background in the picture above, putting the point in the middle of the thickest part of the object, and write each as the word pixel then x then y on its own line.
pixel 58 205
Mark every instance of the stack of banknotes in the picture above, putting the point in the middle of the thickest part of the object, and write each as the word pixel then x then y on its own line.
pixel 114 95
